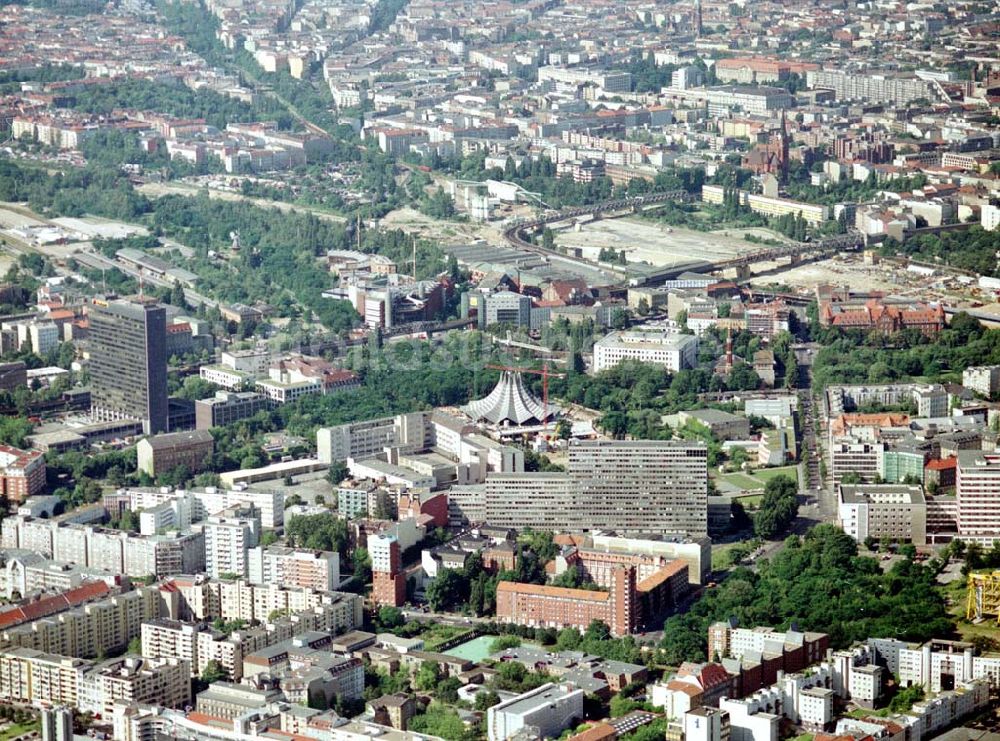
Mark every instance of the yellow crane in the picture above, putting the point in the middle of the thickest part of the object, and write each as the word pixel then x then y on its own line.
pixel 983 596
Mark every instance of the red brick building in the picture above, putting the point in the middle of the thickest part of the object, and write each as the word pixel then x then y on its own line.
pixel 388 579
pixel 22 473
pixel 871 311
pixel 435 505
pixel 558 607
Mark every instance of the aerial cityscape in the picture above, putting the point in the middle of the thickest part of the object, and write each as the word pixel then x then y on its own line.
pixel 444 370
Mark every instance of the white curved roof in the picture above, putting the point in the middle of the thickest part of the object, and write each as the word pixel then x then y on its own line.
pixel 509 401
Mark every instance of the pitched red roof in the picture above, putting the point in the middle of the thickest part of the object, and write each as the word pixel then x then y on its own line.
pixel 53 605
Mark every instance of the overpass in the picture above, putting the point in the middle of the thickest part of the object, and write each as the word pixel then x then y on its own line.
pixel 519 233
pixel 516 233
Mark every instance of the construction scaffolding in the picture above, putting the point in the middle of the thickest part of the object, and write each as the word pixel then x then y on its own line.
pixel 983 596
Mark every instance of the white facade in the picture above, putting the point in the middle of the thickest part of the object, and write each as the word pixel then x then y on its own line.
pixel 294 567
pixel 672 350
pixel 550 708
pixel 983 379
pixel 229 536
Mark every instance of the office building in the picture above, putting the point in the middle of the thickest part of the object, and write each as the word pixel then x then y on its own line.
pixel 229 701
pixel 977 494
pixel 672 350
pixel 227 407
pixel 547 710
pixel 160 454
pixel 128 364
pixel 504 307
pixel 639 486
pixel 886 512
pixel 12 375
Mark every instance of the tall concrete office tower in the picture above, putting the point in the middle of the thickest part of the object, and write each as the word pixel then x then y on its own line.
pixel 128 363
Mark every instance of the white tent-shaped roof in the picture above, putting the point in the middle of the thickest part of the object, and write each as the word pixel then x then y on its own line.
pixel 509 402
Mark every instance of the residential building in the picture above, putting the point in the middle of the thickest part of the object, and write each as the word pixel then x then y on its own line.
pixel 388 578
pixel 877 88
pixel 294 567
pixel 57 724
pixel 128 364
pixel 35 677
pixel 984 380
pixel 229 536
pixel 134 679
pixel 22 473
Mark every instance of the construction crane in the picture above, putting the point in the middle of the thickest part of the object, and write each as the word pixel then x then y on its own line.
pixel 983 596
pixel 545 373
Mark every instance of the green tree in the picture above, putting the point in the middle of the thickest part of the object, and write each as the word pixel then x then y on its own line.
pixel 390 617
pixel 778 508
pixel 213 672
pixel 337 472
pixel 427 676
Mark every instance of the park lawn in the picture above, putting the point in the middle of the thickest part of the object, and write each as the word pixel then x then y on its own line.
pixel 766 474
pixel 720 555
pixel 438 633
pixel 19 729
pixel 743 481
pixel 957 591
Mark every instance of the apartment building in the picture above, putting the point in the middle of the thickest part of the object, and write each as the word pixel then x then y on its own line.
pixel 876 88
pixel 888 512
pixel 22 473
pixel 212 500
pixel 983 379
pixel 89 629
pixel 558 607
pixel 229 536
pixel 195 644
pixel 35 677
pixel 133 679
pixel 388 579
pixel 294 567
